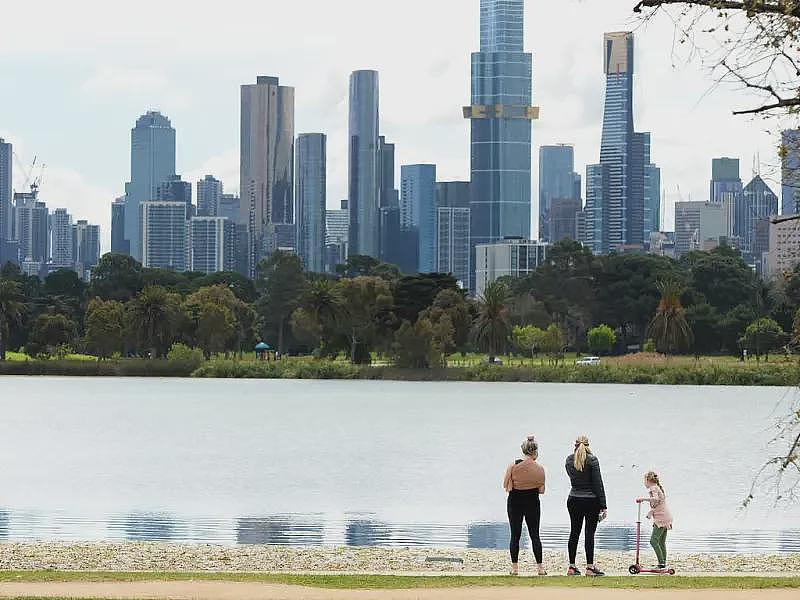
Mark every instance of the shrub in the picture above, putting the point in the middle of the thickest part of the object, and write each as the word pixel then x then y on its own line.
pixel 183 353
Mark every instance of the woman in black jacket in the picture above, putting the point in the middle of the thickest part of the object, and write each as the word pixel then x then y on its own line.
pixel 587 502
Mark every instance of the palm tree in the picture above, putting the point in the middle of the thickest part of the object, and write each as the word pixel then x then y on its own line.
pixel 493 327
pixel 323 304
pixel 153 315
pixel 669 327
pixel 11 309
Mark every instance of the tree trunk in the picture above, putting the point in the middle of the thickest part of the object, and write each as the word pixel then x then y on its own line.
pixel 280 337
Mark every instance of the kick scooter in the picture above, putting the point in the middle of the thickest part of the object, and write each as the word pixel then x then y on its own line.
pixel 637 568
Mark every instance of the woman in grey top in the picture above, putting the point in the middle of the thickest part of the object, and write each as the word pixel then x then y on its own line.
pixel 587 502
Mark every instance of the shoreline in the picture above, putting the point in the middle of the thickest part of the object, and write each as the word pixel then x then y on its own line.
pixel 207 558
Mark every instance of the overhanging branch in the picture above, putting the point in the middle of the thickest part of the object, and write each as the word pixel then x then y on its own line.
pixel 787 8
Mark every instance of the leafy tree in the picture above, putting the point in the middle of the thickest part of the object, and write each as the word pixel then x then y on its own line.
pixel 669 328
pixel 65 282
pixel 365 302
pixel 733 324
pixel 528 338
pixel 415 293
pixel 154 315
pixel 421 345
pixel 601 339
pixel 553 343
pixel 105 327
pixel 242 287
pixel 281 282
pixel 358 265
pixel 117 277
pixel 452 306
pixel 704 321
pixel 215 328
pixel 492 327
pixel 319 313
pixel 221 321
pixel 762 337
pixel 51 333
pixel 722 277
pixel 186 354
pixel 12 309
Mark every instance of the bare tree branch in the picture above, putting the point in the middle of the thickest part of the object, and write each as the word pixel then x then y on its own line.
pixel 775 7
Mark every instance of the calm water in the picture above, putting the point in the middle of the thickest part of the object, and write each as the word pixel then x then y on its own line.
pixel 371 463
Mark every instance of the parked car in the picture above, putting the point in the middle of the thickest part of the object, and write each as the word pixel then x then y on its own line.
pixel 588 361
pixel 495 361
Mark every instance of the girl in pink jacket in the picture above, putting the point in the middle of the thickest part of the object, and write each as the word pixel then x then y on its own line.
pixel 659 512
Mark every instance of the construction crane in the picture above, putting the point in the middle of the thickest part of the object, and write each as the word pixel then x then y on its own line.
pixel 29 175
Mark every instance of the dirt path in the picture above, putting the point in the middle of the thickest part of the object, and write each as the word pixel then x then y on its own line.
pixel 214 590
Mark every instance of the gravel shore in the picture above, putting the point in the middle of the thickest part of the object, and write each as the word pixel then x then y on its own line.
pixel 199 558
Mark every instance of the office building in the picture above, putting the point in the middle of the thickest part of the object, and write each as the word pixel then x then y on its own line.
pixel 563 219
pixel 363 167
pixel 337 233
pixel 725 180
pixel 453 247
pixel 508 258
pixel 6 175
pixel 784 246
pixel 174 189
pixel 500 117
pixel 267 164
pixel 152 162
pixel 61 256
pixel 418 211
pixel 625 182
pixel 229 208
pixel 212 245
pixel 119 243
pixel 557 180
pixel 790 172
pixel 758 203
pixel 209 196
pixel 164 235
pixel 85 248
pixel 699 226
pixel 311 200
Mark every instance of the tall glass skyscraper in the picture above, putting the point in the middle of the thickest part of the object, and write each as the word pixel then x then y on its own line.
pixel 209 196
pixel 363 168
pixel 119 242
pixel 267 164
pixel 621 189
pixel 790 172
pixel 152 162
pixel 418 211
pixel 311 200
pixel 6 173
pixel 557 181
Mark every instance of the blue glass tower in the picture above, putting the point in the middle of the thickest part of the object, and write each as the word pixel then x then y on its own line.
pixel 418 211
pixel 790 172
pixel 557 181
pixel 500 116
pixel 311 199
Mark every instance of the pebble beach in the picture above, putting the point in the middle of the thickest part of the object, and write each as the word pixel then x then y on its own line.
pixel 277 559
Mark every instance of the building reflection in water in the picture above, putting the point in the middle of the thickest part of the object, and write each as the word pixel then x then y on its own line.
pixel 146 527
pixel 619 539
pixel 5 518
pixel 280 530
pixel 491 535
pixel 365 532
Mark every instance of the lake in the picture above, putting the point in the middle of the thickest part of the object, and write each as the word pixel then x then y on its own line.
pixel 373 463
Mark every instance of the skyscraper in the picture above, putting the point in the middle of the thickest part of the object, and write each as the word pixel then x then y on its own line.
pixel 725 178
pixel 267 164
pixel 6 173
pixel 418 211
pixel 557 181
pixel 209 196
pixel 311 200
pixel 500 115
pixel 212 245
pixel 61 239
pixel 698 226
pixel 119 242
pixel 164 235
pixel 152 162
pixel 174 189
pixel 363 169
pixel 790 172
pixel 85 248
pixel 759 203
pixel 31 228
pixel 619 186
pixel 453 248
pixel 229 207
pixel 337 233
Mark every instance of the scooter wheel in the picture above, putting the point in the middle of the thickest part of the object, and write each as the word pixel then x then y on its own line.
pixel 634 569
pixel 671 571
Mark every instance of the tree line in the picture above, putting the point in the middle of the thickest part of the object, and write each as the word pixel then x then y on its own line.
pixel 705 303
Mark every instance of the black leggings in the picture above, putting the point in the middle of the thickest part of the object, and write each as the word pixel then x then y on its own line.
pixel 580 510
pixel 524 505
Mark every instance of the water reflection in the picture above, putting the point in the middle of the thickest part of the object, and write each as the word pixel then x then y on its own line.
pixel 4 520
pixel 146 527
pixel 490 535
pixel 363 532
pixel 280 530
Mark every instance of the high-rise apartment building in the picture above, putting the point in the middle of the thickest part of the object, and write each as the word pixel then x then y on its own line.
pixel 418 211
pixel 453 247
pixel 500 115
pixel 209 196
pixel 363 164
pixel 119 242
pixel 790 172
pixel 699 226
pixel 61 239
pixel 31 228
pixel 623 183
pixel 267 164
pixel 85 248
pixel 6 174
pixel 164 235
pixel 152 162
pixel 212 245
pixel 311 200
pixel 337 233
pixel 174 189
pixel 557 181
pixel 784 245
pixel 229 207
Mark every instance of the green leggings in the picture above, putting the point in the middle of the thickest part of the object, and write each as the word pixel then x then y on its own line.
pixel 659 543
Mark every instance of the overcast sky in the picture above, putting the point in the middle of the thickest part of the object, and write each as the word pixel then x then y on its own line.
pixel 75 75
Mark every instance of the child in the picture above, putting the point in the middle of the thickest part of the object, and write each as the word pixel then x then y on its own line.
pixel 659 512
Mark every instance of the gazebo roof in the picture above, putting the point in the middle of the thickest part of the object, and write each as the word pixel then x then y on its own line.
pixel 262 346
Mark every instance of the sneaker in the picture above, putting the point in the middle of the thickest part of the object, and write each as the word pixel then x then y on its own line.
pixel 662 567
pixel 593 572
pixel 573 571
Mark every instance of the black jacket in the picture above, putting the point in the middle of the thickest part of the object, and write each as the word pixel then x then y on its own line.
pixel 589 482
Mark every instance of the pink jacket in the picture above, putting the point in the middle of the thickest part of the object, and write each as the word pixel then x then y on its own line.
pixel 659 511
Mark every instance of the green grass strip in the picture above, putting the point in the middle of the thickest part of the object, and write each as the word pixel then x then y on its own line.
pixel 394 582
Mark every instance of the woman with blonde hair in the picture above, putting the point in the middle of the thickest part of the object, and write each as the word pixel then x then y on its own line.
pixel 524 482
pixel 586 503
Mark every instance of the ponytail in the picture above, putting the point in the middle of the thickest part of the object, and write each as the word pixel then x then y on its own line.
pixel 652 477
pixel 581 452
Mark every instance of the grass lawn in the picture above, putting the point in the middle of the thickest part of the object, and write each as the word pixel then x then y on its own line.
pixel 389 582
pixel 21 356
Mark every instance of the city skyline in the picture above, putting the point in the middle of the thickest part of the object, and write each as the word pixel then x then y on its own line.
pixel 108 94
